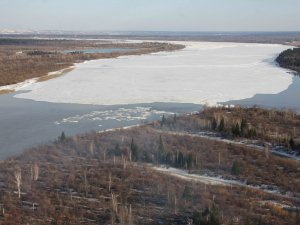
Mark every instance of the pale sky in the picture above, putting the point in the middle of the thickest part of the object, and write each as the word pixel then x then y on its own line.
pixel 151 15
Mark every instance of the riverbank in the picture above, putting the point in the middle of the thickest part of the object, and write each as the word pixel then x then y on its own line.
pixel 51 75
pixel 95 171
pixel 23 61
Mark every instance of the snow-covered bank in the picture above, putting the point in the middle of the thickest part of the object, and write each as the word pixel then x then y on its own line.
pixel 23 85
pixel 210 180
pixel 18 86
pixel 202 73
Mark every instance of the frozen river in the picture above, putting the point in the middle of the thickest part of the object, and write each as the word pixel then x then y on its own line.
pixel 104 94
pixel 202 73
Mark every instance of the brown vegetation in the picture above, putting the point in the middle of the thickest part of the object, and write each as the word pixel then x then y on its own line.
pixel 105 178
pixel 271 126
pixel 24 59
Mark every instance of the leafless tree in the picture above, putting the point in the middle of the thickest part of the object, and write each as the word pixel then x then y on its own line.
pixel 18 177
pixel 85 182
pixel 35 171
pixel 109 181
pixel 91 148
pixel 114 208
pixel 267 151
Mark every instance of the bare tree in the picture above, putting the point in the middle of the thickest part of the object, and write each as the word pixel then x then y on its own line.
pixel 35 171
pixel 85 182
pixel 104 156
pixel 91 148
pixel 109 181
pixel 114 208
pixel 267 151
pixel 18 177
pixel 175 204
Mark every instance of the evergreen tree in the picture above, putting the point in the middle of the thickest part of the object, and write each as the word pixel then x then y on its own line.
pixel 235 169
pixel 187 193
pixel 292 143
pixel 117 150
pixel 62 136
pixel 214 124
pixel 175 118
pixel 214 216
pixel 189 160
pixel 236 130
pixel 163 121
pixel 244 127
pixel 180 160
pixel 161 150
pixel 252 133
pixel 134 151
pixel 222 125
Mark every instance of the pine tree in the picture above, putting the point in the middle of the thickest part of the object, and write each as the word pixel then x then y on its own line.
pixel 214 124
pixel 214 218
pixel 222 125
pixel 62 136
pixel 237 130
pixel 175 118
pixel 189 160
pixel 244 127
pixel 161 150
pixel 187 192
pixel 134 151
pixel 235 169
pixel 292 143
pixel 163 121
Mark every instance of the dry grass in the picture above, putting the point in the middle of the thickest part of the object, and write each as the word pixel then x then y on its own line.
pixel 6 91
pixel 52 76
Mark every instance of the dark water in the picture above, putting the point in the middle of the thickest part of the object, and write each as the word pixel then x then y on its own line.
pixel 287 99
pixel 26 123
pixel 102 50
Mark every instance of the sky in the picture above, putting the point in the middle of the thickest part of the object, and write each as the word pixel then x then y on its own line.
pixel 151 15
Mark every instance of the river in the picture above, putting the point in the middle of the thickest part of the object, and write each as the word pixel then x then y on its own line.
pixel 110 93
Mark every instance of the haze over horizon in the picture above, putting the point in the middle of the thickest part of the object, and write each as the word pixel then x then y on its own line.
pixel 143 15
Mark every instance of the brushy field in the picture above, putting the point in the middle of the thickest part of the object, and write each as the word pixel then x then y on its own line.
pixel 107 178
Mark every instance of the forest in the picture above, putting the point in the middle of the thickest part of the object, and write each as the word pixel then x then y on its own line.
pixel 290 59
pixel 264 127
pixel 124 176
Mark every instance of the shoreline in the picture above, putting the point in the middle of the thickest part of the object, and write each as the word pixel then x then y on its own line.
pixel 18 86
pixel 142 50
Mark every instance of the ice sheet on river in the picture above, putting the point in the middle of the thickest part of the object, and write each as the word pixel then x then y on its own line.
pixel 202 73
